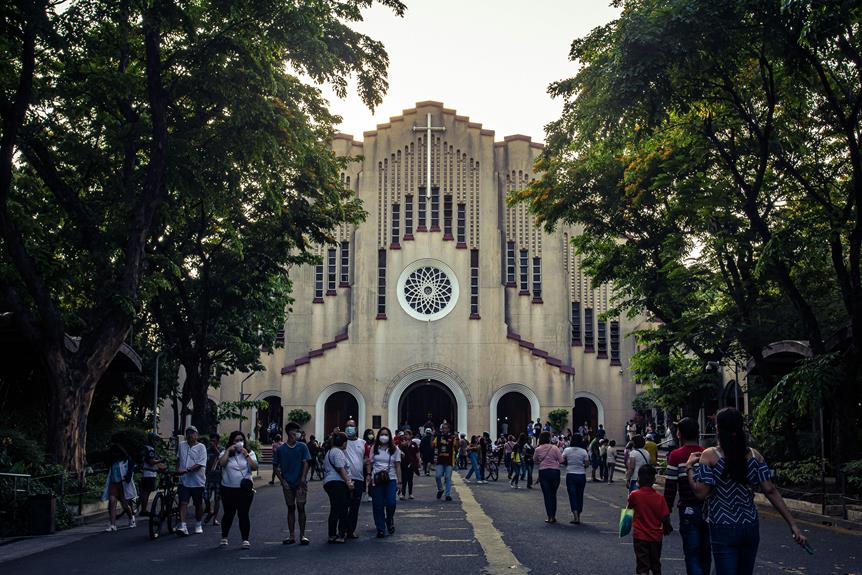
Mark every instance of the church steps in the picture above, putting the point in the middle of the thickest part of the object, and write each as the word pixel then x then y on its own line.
pixel 541 353
pixel 291 367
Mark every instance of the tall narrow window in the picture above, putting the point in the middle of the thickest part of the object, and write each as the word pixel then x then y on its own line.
pixel 602 347
pixel 510 264
pixel 344 279
pixel 537 280
pixel 435 209
pixel 525 273
pixel 461 227
pixel 589 341
pixel 318 284
pixel 447 217
pixel 396 227
pixel 408 217
pixel 474 284
pixel 381 284
pixel 576 323
pixel 423 211
pixel 330 271
pixel 615 343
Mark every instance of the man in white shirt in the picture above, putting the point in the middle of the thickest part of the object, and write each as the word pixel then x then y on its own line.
pixel 191 466
pixel 355 452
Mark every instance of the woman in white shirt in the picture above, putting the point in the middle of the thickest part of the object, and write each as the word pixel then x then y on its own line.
pixel 384 466
pixel 237 487
pixel 577 460
pixel 638 457
pixel 338 485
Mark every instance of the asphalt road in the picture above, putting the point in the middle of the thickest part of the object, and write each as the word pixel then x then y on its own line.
pixel 486 529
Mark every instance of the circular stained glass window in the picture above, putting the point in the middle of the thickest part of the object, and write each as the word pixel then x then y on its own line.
pixel 427 290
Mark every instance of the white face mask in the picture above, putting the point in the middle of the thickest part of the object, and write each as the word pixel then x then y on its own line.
pixel 297 435
pixel 239 445
pixel 384 439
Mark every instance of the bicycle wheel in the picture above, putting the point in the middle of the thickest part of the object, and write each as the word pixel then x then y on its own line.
pixel 157 517
pixel 172 513
pixel 493 472
pixel 319 471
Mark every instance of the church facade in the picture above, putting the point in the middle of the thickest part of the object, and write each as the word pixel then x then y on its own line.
pixel 446 303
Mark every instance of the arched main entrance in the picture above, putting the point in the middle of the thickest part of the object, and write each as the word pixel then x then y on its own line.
pixel 513 413
pixel 425 400
pixel 340 406
pixel 266 417
pixel 586 410
pixel 323 425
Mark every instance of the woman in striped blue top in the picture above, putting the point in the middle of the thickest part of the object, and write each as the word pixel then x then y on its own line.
pixel 724 475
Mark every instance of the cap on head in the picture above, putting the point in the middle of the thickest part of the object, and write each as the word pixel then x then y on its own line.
pixel 191 429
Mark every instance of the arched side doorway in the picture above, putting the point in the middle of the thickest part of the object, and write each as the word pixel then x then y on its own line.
pixel 427 400
pixel 442 375
pixel 321 424
pixel 339 407
pixel 513 400
pixel 267 417
pixel 587 408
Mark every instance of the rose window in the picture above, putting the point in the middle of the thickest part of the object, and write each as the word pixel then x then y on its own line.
pixel 427 290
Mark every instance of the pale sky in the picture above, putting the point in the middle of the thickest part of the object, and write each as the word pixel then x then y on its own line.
pixel 491 60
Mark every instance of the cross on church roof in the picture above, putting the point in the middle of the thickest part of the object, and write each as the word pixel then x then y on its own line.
pixel 428 129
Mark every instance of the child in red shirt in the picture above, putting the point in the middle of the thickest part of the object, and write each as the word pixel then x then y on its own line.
pixel 650 523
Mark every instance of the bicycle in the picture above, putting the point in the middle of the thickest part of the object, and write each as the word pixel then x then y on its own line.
pixel 317 467
pixel 165 509
pixel 492 471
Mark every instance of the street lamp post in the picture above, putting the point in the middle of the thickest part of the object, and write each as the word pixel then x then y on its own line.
pixel 156 393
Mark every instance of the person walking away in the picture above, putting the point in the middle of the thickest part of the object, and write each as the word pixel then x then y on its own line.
pixel 486 450
pixel 507 455
pixel 384 470
pixel 293 459
pixel 444 453
pixel 651 447
pixel 119 486
pixel 595 457
pixel 276 443
pixel 577 460
pixel 723 477
pixel 603 459
pixel 600 432
pixel 693 528
pixel 213 480
pixel 150 464
pixel 549 458
pixel 191 466
pixel 473 456
pixel 537 430
pixel 651 522
pixel 314 449
pixel 638 457
pixel 612 459
pixel 237 463
pixel 527 463
pixel 518 459
pixel 409 464
pixel 354 451
pixel 426 450
pixel 338 486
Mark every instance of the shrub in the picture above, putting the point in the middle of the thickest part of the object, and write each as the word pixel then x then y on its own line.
pixel 558 418
pixel 853 474
pixel 19 453
pixel 801 472
pixel 299 415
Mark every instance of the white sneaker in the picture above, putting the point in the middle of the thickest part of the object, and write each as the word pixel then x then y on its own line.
pixel 182 529
pixel 199 528
pixel 223 542
pixel 132 523
pixel 410 496
pixel 246 545
pixel 111 529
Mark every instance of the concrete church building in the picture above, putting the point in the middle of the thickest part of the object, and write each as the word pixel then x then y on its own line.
pixel 445 303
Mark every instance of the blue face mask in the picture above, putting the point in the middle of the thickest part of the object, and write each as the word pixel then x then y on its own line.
pixel 351 431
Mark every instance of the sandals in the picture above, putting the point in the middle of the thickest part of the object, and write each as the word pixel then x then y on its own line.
pixel 304 541
pixel 289 541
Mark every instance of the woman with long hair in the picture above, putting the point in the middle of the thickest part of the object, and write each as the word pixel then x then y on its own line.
pixel 384 467
pixel 119 486
pixel 473 455
pixel 577 460
pixel 237 462
pixel 549 458
pixel 517 459
pixel 724 476
pixel 338 485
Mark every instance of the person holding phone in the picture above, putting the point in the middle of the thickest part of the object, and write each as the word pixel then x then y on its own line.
pixel 237 463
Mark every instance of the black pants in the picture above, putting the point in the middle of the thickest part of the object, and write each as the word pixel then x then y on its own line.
pixel 426 464
pixel 339 503
pixel 236 501
pixel 353 505
pixel 647 557
pixel 549 480
pixel 407 472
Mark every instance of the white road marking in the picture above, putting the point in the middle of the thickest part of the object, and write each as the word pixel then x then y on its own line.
pixel 455 540
pixel 498 555
pixel 461 555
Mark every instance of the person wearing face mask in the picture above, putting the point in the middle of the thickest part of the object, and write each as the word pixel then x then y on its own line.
pixel 293 459
pixel 237 487
pixel 355 453
pixel 338 485
pixel 384 469
pixel 409 464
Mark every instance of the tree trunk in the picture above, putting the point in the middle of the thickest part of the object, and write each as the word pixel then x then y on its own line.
pixel 72 392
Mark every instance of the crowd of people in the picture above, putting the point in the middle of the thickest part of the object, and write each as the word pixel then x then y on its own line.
pixel 711 488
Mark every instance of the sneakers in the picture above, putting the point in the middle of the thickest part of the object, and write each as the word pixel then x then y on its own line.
pixel 199 528
pixel 132 523
pixel 448 498
pixel 223 542
pixel 182 529
pixel 111 529
pixel 439 494
pixel 410 496
pixel 245 545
